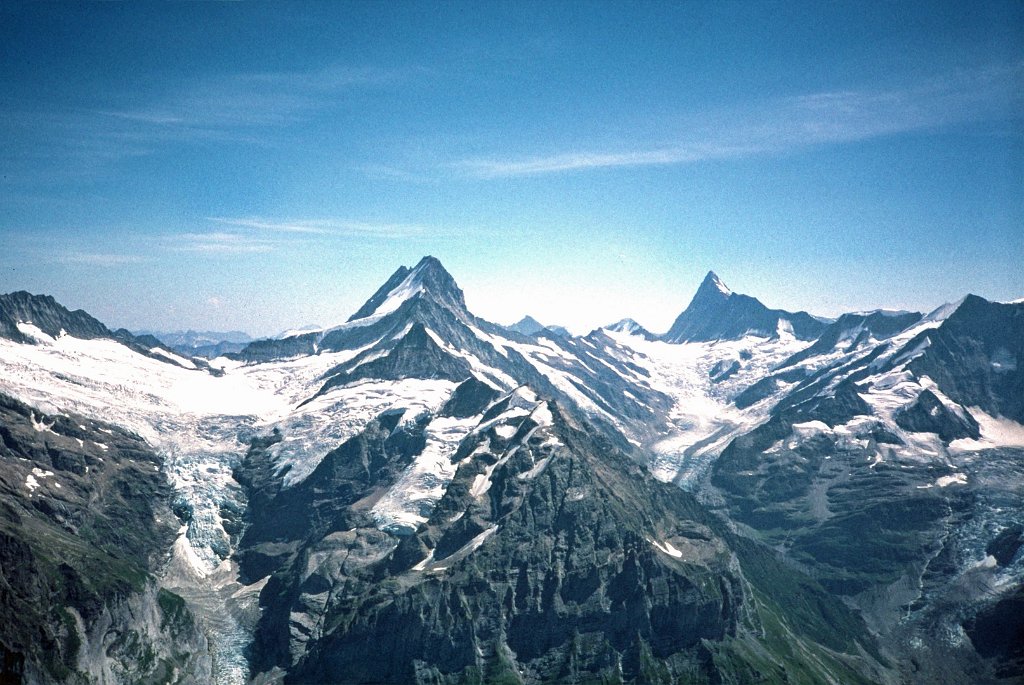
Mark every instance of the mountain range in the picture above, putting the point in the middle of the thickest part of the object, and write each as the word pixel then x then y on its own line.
pixel 418 495
pixel 205 344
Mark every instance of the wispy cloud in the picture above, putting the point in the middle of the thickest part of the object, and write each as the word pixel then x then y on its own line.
pixel 389 172
pixel 101 259
pixel 572 161
pixel 794 123
pixel 259 235
pixel 255 99
pixel 325 227
pixel 254 109
pixel 218 243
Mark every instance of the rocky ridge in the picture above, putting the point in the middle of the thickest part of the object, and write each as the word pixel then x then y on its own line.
pixel 550 558
pixel 422 467
pixel 87 523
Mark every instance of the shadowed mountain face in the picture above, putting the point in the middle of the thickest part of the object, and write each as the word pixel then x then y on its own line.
pixel 873 474
pixel 975 356
pixel 86 522
pixel 717 313
pixel 551 558
pixel 46 314
pixel 418 495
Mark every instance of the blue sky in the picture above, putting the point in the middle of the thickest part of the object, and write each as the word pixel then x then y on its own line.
pixel 261 166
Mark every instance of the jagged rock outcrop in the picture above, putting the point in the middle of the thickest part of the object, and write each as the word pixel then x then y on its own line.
pixel 717 313
pixel 86 522
pixel 550 558
pixel 974 356
pixel 927 414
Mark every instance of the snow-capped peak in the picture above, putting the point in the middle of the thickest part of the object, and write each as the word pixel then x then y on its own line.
pixel 945 311
pixel 624 326
pixel 301 330
pixel 428 276
pixel 713 280
pixel 411 286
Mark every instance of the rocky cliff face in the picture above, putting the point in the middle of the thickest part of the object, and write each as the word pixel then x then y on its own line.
pixel 86 520
pixel 46 314
pixel 432 498
pixel 873 475
pixel 551 557
pixel 975 355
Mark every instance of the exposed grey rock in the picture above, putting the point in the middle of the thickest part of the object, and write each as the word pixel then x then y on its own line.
pixel 86 523
pixel 571 564
pixel 415 355
pixel 552 556
pixel 927 414
pixel 724 369
pixel 470 398
pixel 973 356
pixel 716 313
pixel 48 315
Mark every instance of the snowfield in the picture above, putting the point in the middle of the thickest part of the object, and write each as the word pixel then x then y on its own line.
pixel 703 417
pixel 202 423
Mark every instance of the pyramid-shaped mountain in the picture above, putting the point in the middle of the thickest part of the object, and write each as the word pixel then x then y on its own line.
pixel 428 279
pixel 717 313
pixel 527 326
pixel 417 326
pixel 425 293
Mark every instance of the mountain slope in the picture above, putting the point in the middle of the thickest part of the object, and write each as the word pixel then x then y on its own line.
pixel 717 313
pixel 630 327
pixel 31 319
pixel 549 558
pixel 851 331
pixel 889 491
pixel 975 356
pixel 87 520
pixel 417 467
pixel 47 315
pixel 589 374
pixel 527 326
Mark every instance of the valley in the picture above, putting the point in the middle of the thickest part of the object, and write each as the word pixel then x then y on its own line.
pixel 419 495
